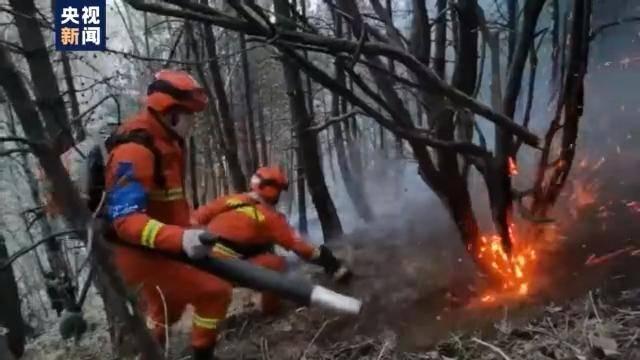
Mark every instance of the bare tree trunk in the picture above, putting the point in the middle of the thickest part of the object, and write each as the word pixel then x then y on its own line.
pixel 439 64
pixel 193 173
pixel 49 99
pixel 73 208
pixel 210 172
pixel 248 95
pixel 59 269
pixel 327 213
pixel 10 313
pixel 238 178
pixel 512 14
pixel 303 224
pixel 264 158
pixel 355 188
pixel 76 125
pixel 555 38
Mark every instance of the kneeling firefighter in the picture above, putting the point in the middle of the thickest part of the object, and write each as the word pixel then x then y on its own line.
pixel 248 227
pixel 146 206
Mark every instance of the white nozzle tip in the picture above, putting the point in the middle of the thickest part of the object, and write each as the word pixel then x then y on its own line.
pixel 330 299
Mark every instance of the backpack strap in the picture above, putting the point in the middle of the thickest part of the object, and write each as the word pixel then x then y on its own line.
pixel 144 138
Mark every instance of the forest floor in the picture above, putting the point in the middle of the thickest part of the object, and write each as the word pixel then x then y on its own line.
pixel 584 300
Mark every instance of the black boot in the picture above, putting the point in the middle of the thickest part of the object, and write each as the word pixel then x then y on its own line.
pixel 203 354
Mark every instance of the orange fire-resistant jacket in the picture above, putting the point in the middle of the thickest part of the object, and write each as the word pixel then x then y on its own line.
pixel 242 220
pixel 141 212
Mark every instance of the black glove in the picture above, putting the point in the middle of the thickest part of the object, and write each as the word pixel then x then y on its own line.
pixel 332 265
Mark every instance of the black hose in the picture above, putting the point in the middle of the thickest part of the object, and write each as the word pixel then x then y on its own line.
pixel 244 274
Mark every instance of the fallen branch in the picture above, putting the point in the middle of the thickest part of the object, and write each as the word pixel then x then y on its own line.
pixel 492 347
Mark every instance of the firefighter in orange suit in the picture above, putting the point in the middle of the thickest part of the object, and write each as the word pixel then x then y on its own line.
pixel 248 226
pixel 146 206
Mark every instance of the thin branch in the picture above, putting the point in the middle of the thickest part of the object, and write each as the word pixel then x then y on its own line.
pixel 333 120
pixel 53 237
pixel 14 151
pixel 433 84
pixel 599 29
pixel 408 133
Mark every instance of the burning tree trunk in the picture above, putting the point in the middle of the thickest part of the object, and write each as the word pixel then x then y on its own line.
pixel 308 142
pixel 73 208
pixel 499 177
pixel 10 313
pixel 49 99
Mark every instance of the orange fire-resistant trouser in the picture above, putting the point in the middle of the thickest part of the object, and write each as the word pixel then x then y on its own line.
pixel 210 296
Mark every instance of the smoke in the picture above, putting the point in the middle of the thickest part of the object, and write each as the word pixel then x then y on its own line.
pixel 609 126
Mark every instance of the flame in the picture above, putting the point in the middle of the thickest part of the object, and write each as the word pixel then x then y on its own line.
pixel 513 168
pixel 514 272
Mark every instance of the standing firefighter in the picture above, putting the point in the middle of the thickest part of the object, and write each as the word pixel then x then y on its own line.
pixel 146 206
pixel 248 226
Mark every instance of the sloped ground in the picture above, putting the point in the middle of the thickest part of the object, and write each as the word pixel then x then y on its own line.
pixel 404 272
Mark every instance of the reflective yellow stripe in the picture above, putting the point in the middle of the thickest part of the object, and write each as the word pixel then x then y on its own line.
pixel 224 250
pixel 207 323
pixel 149 233
pixel 167 195
pixel 252 212
pixel 248 209
pixel 235 202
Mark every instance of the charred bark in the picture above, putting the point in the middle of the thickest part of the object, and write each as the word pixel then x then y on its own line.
pixel 500 186
pixel 570 109
pixel 48 97
pixel 73 208
pixel 327 213
pixel 454 191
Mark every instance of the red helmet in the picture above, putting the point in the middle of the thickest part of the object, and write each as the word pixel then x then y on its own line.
pixel 268 183
pixel 175 89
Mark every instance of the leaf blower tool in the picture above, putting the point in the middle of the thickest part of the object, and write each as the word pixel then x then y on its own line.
pixel 246 274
